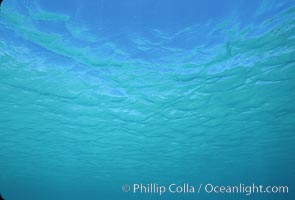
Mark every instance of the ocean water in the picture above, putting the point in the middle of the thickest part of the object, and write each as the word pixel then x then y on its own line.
pixel 96 94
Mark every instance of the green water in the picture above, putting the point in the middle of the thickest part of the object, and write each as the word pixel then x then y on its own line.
pixel 83 111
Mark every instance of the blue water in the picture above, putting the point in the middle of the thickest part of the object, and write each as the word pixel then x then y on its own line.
pixel 95 94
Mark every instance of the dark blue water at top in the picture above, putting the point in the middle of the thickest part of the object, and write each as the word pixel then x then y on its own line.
pixel 95 94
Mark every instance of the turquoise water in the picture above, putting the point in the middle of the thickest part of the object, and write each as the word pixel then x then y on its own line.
pixel 98 94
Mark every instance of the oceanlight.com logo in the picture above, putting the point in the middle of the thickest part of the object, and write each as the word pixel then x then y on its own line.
pixel 186 188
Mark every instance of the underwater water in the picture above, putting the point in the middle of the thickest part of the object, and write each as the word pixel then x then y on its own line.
pixel 96 94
